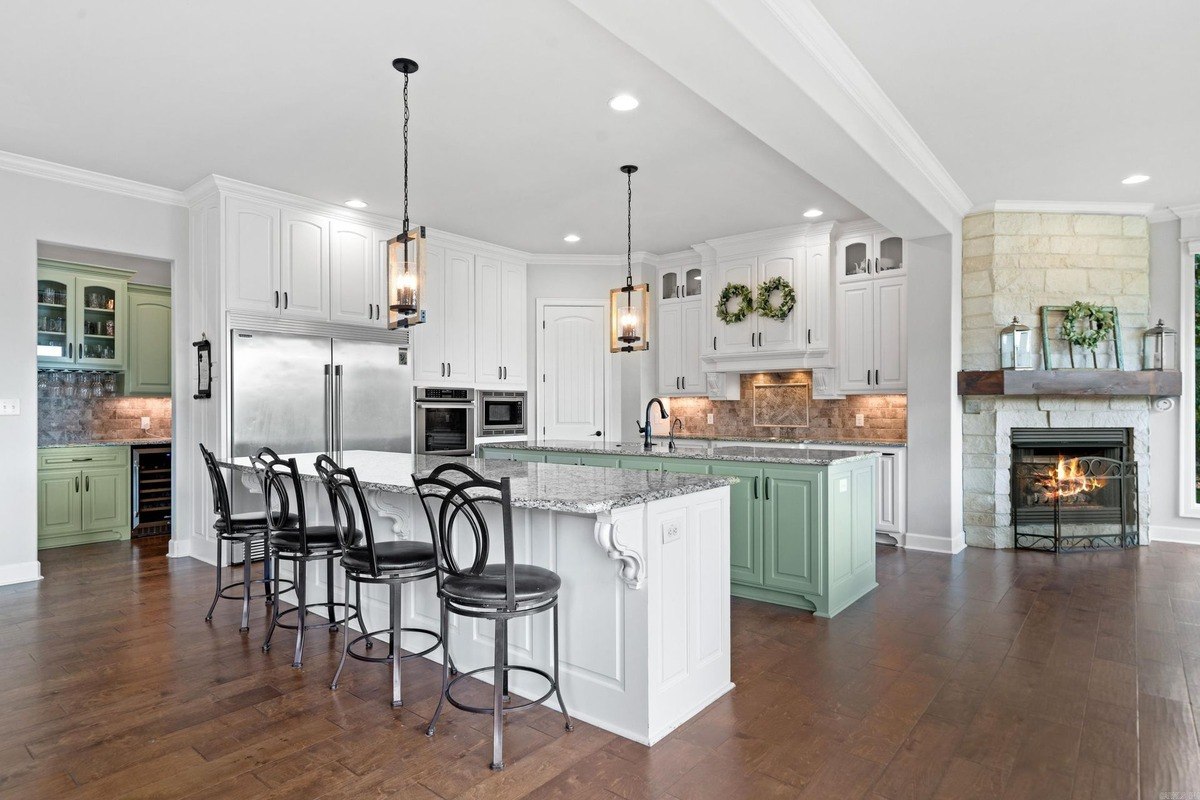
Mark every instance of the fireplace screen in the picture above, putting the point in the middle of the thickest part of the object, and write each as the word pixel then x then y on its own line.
pixel 1073 489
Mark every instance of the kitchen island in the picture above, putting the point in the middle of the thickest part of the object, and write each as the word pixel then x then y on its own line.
pixel 801 528
pixel 644 562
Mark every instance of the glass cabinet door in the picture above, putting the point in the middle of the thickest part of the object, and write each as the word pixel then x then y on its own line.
pixel 55 322
pixel 691 282
pixel 891 254
pixel 668 285
pixel 856 258
pixel 100 323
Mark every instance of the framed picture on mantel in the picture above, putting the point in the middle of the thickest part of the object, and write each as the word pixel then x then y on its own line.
pixel 1081 336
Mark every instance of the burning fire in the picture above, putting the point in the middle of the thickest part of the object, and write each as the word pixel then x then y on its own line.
pixel 1067 479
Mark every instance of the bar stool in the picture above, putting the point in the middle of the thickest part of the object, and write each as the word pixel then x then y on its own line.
pixel 371 562
pixel 242 528
pixel 299 544
pixel 499 592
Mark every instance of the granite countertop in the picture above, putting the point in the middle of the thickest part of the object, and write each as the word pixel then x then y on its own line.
pixel 553 487
pixel 795 440
pixel 110 443
pixel 707 452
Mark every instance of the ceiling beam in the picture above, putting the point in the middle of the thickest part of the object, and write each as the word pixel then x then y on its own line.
pixel 779 70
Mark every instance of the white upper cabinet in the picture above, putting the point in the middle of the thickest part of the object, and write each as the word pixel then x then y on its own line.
pixel 773 334
pixel 489 305
pixel 872 311
pixel 819 305
pixel 355 296
pixel 251 257
pixel 891 334
pixel 691 371
pixel 670 348
pixel 856 336
pixel 304 265
pixel 429 339
pixel 738 337
pixel 870 255
pixel 679 283
pixel 514 324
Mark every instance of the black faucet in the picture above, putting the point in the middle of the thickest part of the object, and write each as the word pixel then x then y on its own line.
pixel 647 441
pixel 677 422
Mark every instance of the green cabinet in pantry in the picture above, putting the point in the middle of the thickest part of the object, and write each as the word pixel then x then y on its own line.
pixel 800 535
pixel 148 371
pixel 83 495
pixel 82 316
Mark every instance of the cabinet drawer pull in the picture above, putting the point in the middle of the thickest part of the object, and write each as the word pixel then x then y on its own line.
pixel 449 369
pixel 76 484
pixel 506 373
pixel 683 380
pixel 767 485
pixel 714 343
pixel 876 377
pixel 70 350
pixel 755 487
pixel 868 377
pixel 87 483
pixel 760 339
pixel 810 335
pixel 277 298
pixel 285 300
pixel 89 458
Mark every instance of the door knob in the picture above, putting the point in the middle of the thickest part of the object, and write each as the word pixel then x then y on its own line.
pixel 598 433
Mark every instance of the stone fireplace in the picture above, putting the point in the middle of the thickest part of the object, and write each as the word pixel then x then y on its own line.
pixel 1013 264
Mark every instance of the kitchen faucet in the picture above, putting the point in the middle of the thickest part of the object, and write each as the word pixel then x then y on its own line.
pixel 647 441
pixel 677 422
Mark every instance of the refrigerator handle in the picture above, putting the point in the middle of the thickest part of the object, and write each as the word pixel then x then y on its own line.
pixel 337 412
pixel 328 407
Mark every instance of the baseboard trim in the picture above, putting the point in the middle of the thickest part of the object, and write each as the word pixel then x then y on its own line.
pixel 24 572
pixel 1168 533
pixel 935 544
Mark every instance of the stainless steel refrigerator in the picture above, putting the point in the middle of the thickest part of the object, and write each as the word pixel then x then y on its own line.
pixel 310 394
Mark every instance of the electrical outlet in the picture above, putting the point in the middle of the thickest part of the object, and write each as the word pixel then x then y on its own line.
pixel 145 423
pixel 10 408
pixel 710 419
pixel 858 420
pixel 670 532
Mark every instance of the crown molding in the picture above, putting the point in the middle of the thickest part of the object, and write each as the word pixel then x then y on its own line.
pixel 639 258
pixel 1186 212
pixel 38 168
pixel 804 22
pixel 1066 207
pixel 1163 215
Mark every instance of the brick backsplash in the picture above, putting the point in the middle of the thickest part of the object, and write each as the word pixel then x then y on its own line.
pixel 885 417
pixel 76 420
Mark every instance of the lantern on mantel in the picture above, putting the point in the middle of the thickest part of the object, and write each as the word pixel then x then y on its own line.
pixel 1016 346
pixel 406 252
pixel 1160 348
pixel 629 304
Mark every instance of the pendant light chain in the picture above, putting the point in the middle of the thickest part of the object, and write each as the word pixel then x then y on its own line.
pixel 406 153
pixel 629 229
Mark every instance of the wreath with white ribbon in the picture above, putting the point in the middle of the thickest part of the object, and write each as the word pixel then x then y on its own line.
pixel 741 292
pixel 787 299
pixel 1098 324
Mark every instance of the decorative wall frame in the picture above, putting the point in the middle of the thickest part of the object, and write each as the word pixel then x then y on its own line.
pixel 1058 353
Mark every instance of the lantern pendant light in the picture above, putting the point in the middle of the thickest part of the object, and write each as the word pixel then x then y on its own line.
pixel 629 304
pixel 406 252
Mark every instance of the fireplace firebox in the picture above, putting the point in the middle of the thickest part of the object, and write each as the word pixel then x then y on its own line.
pixel 1073 489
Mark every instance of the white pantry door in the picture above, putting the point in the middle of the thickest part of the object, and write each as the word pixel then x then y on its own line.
pixel 574 349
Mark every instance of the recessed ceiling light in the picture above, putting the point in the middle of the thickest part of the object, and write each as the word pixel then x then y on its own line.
pixel 1136 179
pixel 571 237
pixel 813 212
pixel 623 102
pixel 355 204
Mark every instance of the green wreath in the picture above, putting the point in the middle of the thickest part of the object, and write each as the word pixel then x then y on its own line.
pixel 1099 323
pixel 787 299
pixel 745 303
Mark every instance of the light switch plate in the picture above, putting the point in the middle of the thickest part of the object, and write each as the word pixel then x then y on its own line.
pixel 670 532
pixel 145 423
pixel 10 408
pixel 710 419
pixel 858 420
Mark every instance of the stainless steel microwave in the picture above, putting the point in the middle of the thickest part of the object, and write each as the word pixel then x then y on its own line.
pixel 501 413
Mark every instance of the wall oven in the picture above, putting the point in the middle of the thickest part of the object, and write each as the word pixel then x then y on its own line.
pixel 445 421
pixel 501 413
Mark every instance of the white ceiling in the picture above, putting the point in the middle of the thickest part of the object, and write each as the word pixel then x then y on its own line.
pixel 512 138
pixel 1037 100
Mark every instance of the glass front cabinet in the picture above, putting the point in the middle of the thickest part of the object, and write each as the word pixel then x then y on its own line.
pixel 81 316
pixel 679 283
pixel 868 256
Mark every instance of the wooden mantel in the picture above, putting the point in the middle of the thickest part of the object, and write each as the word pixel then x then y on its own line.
pixel 1071 382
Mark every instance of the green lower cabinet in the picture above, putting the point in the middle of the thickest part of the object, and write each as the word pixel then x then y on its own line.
pixel 83 495
pixel 791 541
pixel 687 465
pixel 533 458
pixel 648 463
pixel 745 523
pixel 592 460
pixel 563 458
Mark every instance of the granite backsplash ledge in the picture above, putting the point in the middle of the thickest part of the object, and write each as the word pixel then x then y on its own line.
pixel 75 420
pixel 885 417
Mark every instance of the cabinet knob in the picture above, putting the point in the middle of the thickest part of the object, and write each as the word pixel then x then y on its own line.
pixel 598 433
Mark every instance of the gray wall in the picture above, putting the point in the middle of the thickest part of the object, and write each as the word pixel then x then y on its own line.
pixel 934 408
pixel 39 210
pixel 1166 437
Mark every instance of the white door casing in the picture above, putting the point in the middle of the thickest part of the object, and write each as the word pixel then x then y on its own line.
pixel 573 367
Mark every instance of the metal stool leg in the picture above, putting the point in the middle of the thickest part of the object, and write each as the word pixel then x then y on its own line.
pixel 446 662
pixel 362 622
pixel 217 593
pixel 246 585
pixel 561 703
pixel 501 637
pixel 345 632
pixel 274 612
pixel 301 576
pixel 269 569
pixel 396 588
pixel 333 625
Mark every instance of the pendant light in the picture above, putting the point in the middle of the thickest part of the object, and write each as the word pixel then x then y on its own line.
pixel 406 252
pixel 629 304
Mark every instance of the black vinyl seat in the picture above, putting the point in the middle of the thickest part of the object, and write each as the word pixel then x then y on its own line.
pixel 242 529
pixel 366 560
pixel 292 540
pixel 454 497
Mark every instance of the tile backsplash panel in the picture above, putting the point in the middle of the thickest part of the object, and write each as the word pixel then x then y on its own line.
pixel 885 417
pixel 77 420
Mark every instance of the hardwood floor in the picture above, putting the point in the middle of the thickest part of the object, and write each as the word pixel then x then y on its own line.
pixel 982 675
